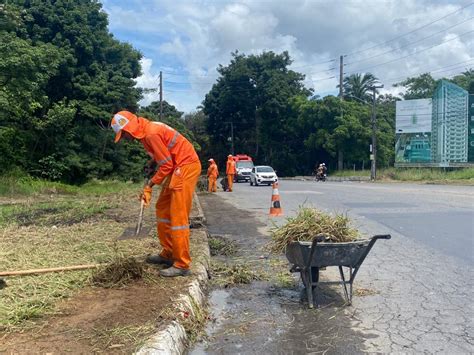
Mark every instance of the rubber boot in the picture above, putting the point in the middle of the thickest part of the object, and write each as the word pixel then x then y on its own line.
pixel 158 259
pixel 174 271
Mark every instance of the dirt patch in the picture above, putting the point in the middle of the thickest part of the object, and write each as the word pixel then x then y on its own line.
pixel 100 320
pixel 86 323
pixel 65 312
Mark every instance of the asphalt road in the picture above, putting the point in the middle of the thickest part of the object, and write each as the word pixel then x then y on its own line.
pixel 438 218
pixel 421 282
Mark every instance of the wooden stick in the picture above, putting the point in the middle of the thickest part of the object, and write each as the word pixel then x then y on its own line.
pixel 54 269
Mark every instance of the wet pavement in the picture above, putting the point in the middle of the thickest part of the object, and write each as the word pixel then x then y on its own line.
pixel 415 289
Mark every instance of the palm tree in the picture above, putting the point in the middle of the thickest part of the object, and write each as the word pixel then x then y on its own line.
pixel 358 85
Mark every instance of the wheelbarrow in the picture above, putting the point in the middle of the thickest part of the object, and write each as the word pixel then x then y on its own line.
pixel 308 258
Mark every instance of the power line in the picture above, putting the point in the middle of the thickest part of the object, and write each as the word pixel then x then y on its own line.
pixel 409 44
pixel 409 55
pixel 314 64
pixel 439 69
pixel 233 82
pixel 228 88
pixel 394 80
pixel 416 29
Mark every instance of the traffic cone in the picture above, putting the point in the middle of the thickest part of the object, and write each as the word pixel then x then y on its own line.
pixel 275 208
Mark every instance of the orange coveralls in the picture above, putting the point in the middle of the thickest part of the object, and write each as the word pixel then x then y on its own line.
pixel 230 171
pixel 212 174
pixel 178 170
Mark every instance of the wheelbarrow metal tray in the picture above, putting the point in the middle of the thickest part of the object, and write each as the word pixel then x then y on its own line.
pixel 308 257
pixel 327 254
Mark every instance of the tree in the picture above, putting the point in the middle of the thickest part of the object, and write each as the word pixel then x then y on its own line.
pixel 465 80
pixel 69 76
pixel 359 86
pixel 333 128
pixel 196 122
pixel 25 69
pixel 252 96
pixel 171 116
pixel 420 87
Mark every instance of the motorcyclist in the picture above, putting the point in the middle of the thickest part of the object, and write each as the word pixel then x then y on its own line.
pixel 325 170
pixel 319 171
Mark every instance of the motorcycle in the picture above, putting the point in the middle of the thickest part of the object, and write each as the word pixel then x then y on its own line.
pixel 320 177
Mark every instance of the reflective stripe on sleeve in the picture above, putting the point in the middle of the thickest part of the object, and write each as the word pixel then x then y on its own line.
pixel 176 228
pixel 163 220
pixel 161 162
pixel 173 140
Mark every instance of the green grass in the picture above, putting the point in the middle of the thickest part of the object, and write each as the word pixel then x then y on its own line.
pixel 52 213
pixel 415 174
pixel 426 174
pixel 23 185
pixel 52 230
pixel 346 173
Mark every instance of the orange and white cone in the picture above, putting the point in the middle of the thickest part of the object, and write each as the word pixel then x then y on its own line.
pixel 275 208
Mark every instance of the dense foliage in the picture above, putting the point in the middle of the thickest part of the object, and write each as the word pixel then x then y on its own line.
pixel 63 75
pixel 278 121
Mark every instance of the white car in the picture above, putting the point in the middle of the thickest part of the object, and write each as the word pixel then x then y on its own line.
pixel 262 174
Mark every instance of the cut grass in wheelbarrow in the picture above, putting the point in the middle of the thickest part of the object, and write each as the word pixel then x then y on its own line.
pixel 310 223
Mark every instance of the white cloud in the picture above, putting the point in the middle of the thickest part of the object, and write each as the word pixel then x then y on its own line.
pixel 199 35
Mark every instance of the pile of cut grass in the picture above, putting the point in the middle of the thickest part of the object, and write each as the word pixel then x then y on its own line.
pixel 226 275
pixel 219 245
pixel 201 185
pixel 118 273
pixel 309 223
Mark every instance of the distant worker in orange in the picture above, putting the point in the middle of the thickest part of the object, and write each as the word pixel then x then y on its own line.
pixel 230 171
pixel 212 174
pixel 178 170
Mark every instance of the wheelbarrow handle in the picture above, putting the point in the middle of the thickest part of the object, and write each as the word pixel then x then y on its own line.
pixel 382 236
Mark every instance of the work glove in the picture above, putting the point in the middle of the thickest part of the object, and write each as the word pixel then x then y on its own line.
pixel 146 195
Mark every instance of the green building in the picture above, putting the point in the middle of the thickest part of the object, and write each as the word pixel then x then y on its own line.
pixel 470 154
pixel 449 124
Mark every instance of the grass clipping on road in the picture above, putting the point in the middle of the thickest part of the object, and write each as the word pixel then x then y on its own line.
pixel 309 223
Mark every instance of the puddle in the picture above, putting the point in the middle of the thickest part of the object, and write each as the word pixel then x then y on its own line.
pixel 264 316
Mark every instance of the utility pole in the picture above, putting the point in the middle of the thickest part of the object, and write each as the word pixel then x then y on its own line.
pixel 340 153
pixel 161 96
pixel 373 156
pixel 341 76
pixel 232 136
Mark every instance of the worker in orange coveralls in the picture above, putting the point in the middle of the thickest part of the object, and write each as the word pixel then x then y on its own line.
pixel 212 174
pixel 178 170
pixel 230 171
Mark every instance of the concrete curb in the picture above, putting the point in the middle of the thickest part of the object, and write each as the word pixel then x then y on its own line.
pixel 329 178
pixel 172 339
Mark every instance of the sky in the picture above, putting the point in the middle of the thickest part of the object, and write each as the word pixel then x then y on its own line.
pixel 392 39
